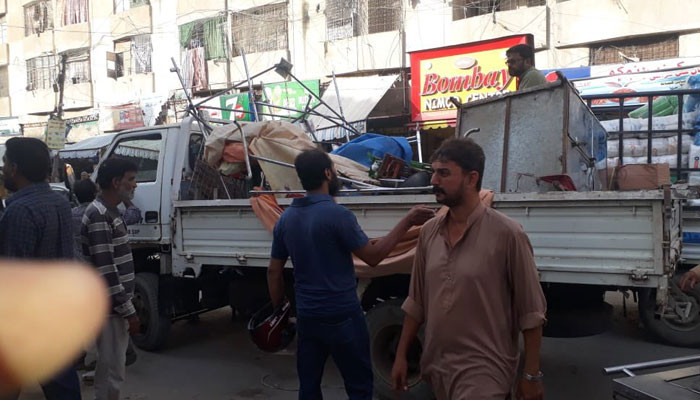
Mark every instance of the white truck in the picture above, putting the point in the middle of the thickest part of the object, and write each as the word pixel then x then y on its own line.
pixel 192 256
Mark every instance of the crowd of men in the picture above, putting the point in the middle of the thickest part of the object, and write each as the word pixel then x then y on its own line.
pixel 39 224
pixel 474 286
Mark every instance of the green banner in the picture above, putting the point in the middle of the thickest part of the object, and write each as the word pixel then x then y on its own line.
pixel 239 102
pixel 290 95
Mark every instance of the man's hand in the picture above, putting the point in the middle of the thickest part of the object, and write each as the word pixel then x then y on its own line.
pixel 690 278
pixel 134 324
pixel 418 215
pixel 399 373
pixel 528 390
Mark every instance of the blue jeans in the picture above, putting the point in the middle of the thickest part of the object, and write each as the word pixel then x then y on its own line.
pixel 64 386
pixel 346 339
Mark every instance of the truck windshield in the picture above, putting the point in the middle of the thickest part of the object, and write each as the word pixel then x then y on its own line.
pixel 145 152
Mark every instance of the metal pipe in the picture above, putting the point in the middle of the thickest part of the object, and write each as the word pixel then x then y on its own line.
pixel 262 103
pixel 245 149
pixel 679 154
pixel 316 113
pixel 238 111
pixel 324 103
pixel 235 86
pixel 641 94
pixel 418 145
pixel 190 109
pixel 251 94
pixel 651 364
pixel 358 190
pixel 288 165
pixel 340 105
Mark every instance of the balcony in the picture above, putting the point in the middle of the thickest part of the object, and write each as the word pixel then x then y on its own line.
pixel 77 96
pixel 37 44
pixel 132 22
pixel 40 101
pixel 71 37
pixel 5 110
pixel 4 54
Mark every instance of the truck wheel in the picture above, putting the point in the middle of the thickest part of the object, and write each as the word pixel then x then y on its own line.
pixel 154 326
pixel 384 322
pixel 680 326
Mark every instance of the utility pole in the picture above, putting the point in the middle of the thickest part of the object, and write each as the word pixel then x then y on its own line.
pixel 61 85
pixel 229 47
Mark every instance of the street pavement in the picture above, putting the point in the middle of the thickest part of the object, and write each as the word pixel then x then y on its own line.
pixel 214 359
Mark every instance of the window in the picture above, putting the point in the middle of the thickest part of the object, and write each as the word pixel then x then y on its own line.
pixel 209 34
pixel 3 31
pixel 344 19
pixel 131 56
pixel 637 49
pixel 144 151
pixel 201 41
pixel 123 5
pixel 260 29
pixel 77 67
pixel 74 12
pixel 38 17
pixel 462 9
pixel 42 72
pixel 384 15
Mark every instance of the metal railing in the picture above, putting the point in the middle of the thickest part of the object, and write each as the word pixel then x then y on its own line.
pixel 622 114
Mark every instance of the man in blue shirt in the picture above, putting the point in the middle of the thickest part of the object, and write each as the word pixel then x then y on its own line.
pixel 321 236
pixel 36 225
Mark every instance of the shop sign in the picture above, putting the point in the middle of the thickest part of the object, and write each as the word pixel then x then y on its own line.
pixel 55 136
pixel 468 72
pixel 234 104
pixel 9 126
pixel 633 83
pixel 291 95
pixel 127 116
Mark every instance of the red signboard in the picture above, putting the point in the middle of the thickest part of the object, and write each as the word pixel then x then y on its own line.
pixel 467 71
pixel 127 116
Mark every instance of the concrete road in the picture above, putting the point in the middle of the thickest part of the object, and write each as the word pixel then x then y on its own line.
pixel 214 359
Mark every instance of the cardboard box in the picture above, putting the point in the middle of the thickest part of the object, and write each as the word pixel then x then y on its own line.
pixel 642 176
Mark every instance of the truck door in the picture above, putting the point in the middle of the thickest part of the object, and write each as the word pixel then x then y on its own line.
pixel 145 149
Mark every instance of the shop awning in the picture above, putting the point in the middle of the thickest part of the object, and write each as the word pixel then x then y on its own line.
pixel 358 96
pixel 87 148
pixel 437 124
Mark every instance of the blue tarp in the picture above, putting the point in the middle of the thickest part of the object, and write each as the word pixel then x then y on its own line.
pixel 361 148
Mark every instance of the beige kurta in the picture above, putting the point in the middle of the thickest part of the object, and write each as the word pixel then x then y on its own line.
pixel 474 298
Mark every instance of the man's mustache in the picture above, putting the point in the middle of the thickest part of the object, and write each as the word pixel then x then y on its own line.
pixel 438 189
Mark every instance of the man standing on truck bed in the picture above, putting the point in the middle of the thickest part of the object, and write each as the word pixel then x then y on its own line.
pixel 521 61
pixel 321 236
pixel 106 243
pixel 475 287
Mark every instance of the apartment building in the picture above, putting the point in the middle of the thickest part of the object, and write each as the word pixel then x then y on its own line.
pixel 117 53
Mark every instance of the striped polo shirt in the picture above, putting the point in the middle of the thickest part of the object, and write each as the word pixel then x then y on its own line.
pixel 105 240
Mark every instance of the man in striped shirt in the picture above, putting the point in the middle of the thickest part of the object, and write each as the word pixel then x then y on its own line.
pixel 106 242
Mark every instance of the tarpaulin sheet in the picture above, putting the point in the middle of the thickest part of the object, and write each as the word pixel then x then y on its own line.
pixel 369 145
pixel 280 141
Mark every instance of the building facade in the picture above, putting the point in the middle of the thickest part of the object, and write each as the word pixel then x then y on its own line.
pixel 117 54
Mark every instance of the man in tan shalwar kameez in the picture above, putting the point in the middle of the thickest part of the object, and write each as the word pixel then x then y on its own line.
pixel 475 287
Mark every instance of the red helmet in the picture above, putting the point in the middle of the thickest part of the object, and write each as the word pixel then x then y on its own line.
pixel 270 329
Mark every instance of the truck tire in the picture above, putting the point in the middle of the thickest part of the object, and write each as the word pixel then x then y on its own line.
pixel 384 322
pixel 154 326
pixel 675 332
